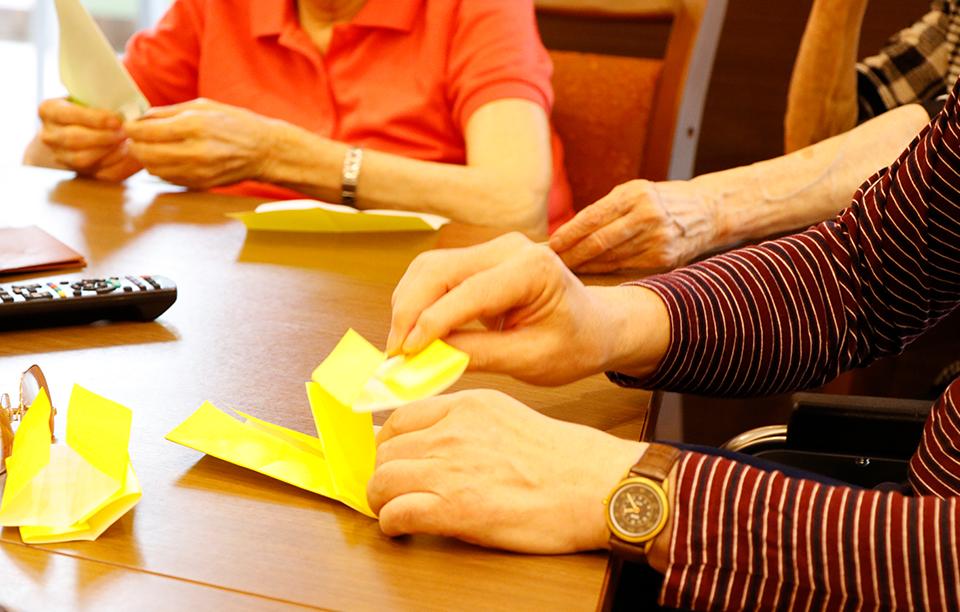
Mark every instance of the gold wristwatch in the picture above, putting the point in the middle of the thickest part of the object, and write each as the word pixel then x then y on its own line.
pixel 638 508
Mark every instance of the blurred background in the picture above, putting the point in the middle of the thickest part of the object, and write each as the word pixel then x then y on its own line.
pixel 743 115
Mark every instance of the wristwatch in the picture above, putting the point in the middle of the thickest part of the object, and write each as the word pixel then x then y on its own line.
pixel 349 175
pixel 637 509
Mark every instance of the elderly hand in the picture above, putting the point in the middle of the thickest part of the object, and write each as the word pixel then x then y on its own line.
pixel 201 144
pixel 89 141
pixel 484 468
pixel 543 325
pixel 640 225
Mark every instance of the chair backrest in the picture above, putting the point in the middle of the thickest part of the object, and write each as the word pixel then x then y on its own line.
pixel 622 118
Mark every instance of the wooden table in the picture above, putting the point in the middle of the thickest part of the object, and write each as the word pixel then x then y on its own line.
pixel 255 314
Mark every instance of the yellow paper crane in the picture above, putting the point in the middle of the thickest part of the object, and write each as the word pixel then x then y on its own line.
pixel 60 493
pixel 353 381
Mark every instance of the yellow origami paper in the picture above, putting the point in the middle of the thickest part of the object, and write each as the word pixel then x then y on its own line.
pixel 321 217
pixel 60 493
pixel 340 461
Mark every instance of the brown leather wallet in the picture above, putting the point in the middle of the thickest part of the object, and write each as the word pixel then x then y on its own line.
pixel 30 249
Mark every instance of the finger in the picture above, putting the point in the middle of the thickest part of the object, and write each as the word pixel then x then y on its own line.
pixel 409 445
pixel 116 156
pixel 82 160
pixel 636 258
pixel 602 240
pixel 502 352
pixel 169 130
pixel 433 274
pixel 587 221
pixel 78 137
pixel 416 416
pixel 401 477
pixel 170 110
pixel 487 294
pixel 158 155
pixel 65 112
pixel 415 513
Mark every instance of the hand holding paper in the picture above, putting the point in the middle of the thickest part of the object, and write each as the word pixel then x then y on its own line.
pixel 355 379
pixel 60 493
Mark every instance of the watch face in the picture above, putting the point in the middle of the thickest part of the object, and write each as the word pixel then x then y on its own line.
pixel 636 510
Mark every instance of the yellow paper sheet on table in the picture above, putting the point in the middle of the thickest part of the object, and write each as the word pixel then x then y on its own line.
pixel 60 493
pixel 90 69
pixel 339 462
pixel 321 217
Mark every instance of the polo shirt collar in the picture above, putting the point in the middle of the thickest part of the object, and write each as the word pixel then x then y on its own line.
pixel 269 17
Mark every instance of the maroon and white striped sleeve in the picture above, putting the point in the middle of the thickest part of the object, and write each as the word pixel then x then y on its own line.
pixel 793 313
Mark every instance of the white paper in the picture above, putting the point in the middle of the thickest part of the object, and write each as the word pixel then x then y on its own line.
pixel 89 69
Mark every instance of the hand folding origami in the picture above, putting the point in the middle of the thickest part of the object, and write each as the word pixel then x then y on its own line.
pixel 59 493
pixel 354 380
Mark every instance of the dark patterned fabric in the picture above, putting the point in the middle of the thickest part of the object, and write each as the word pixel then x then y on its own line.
pixel 918 64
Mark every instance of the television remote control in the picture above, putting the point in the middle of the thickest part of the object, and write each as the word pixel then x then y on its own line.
pixel 57 301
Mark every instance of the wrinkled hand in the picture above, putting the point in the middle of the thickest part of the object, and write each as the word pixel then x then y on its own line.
pixel 639 225
pixel 543 325
pixel 201 144
pixel 484 468
pixel 89 141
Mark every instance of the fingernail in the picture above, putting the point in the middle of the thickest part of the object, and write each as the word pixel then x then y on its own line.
pixel 392 347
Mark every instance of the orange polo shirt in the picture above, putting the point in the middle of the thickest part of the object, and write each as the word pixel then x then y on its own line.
pixel 403 77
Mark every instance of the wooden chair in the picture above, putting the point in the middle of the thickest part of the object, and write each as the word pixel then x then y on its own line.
pixel 622 118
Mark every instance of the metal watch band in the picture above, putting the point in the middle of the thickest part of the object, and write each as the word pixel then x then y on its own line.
pixel 655 464
pixel 349 175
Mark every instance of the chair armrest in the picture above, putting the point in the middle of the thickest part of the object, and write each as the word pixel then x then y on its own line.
pixel 870 426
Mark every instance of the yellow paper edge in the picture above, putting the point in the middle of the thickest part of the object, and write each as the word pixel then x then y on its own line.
pixel 98 435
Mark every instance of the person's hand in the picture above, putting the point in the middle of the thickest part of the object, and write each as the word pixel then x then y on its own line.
pixel 484 468
pixel 639 225
pixel 543 325
pixel 90 141
pixel 201 144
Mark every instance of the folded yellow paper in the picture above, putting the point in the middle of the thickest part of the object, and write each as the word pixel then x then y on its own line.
pixel 60 493
pixel 321 217
pixel 340 461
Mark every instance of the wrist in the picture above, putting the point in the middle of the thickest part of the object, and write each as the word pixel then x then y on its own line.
pixel 274 140
pixel 301 160
pixel 612 467
pixel 635 327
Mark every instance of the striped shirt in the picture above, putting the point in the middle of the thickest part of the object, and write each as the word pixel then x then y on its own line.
pixel 793 313
pixel 917 65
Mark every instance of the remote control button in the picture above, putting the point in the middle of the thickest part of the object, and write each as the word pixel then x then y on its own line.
pixel 136 281
pixel 152 282
pixel 127 289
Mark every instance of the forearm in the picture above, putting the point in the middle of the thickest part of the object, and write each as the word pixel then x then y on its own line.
pixel 312 164
pixel 744 538
pixel 822 100
pixel 797 190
